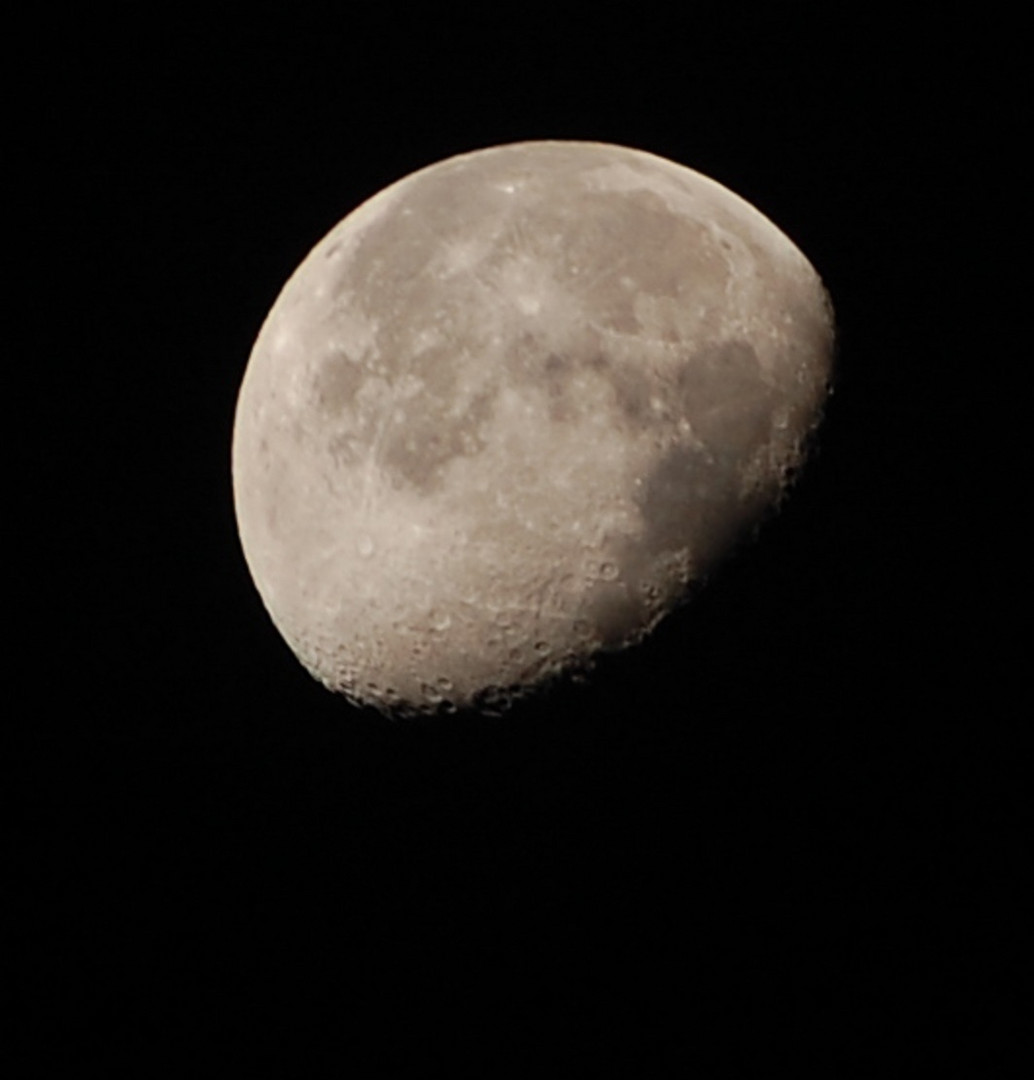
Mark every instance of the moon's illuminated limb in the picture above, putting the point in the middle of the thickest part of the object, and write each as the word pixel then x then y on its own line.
pixel 507 410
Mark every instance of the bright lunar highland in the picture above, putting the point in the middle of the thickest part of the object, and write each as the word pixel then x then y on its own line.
pixel 506 413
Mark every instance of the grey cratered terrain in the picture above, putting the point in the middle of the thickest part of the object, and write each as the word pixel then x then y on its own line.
pixel 506 412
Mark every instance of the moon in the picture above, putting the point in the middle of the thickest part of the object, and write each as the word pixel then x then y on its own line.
pixel 509 410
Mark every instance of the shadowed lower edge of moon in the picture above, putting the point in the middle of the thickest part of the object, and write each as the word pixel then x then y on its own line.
pixel 686 482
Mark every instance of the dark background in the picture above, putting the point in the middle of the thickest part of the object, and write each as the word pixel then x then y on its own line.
pixel 784 831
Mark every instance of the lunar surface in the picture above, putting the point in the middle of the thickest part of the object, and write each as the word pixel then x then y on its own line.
pixel 507 412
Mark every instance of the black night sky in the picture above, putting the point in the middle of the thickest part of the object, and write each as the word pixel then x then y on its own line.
pixel 782 833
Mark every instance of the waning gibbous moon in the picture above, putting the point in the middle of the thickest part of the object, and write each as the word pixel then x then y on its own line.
pixel 508 410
